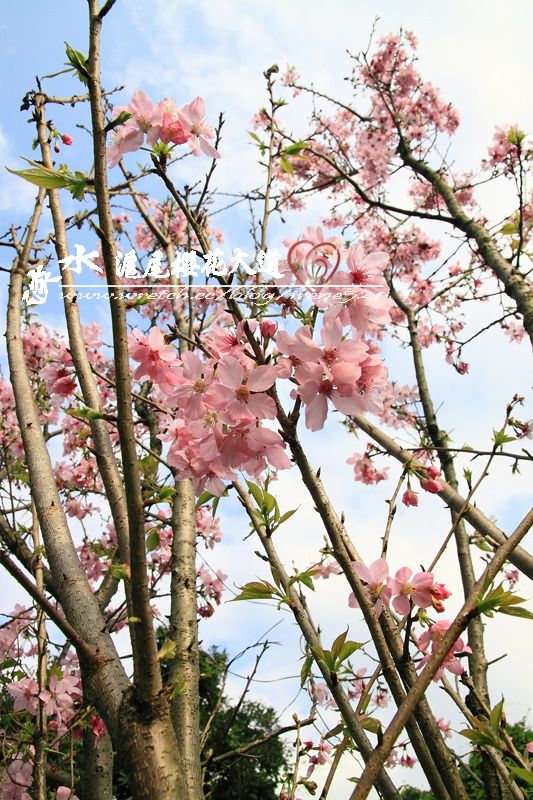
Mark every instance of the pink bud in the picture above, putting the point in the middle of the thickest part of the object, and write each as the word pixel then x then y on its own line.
pixel 433 472
pixel 410 498
pixel 66 139
pixel 432 486
pixel 438 593
pixel 268 329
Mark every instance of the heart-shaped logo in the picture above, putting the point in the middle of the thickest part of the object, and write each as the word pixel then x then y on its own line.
pixel 312 265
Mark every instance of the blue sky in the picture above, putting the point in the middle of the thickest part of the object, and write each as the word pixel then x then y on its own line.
pixel 478 54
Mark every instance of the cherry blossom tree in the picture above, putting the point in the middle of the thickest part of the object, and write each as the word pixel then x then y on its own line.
pixel 216 379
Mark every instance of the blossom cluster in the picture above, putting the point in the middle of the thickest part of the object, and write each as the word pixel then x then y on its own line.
pixel 163 122
pixel 217 403
pixel 405 589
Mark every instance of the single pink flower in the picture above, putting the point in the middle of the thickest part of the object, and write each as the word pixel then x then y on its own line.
pixel 375 577
pixel 239 396
pixel 60 694
pixel 191 393
pixel 157 359
pixel 25 693
pixel 433 636
pixel 124 139
pixel 339 386
pixel 191 117
pixel 418 589
pixel 321 693
pixel 66 139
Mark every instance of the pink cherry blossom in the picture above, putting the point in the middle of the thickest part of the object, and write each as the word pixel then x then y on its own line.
pixel 239 395
pixel 171 129
pixel 191 394
pixel 192 118
pixel 321 693
pixel 157 359
pixel 300 347
pixel 25 693
pixel 124 139
pixel 417 588
pixel 60 694
pixel 146 119
pixel 365 471
pixel 16 776
pixel 375 577
pixel 433 636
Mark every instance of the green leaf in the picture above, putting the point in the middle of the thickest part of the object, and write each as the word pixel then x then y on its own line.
pixel 508 229
pixel 139 301
pixel 336 731
pixel 256 493
pixel 287 515
pixel 256 590
pixel 516 612
pixel 325 657
pixel 257 139
pixel 370 724
pixel 153 541
pixel 347 649
pixel 482 735
pixel 338 643
pixel 167 650
pixel 118 571
pixel 525 774
pixel 500 438
pixel 93 413
pixel 42 176
pixel 78 185
pixel 305 578
pixel 306 669
pixel 499 599
pixel 204 498
pixel 295 149
pixel 496 715
pixel 78 61
pixel 269 502
pixel 179 687
pixel 286 165
pixel 166 493
pixel 120 119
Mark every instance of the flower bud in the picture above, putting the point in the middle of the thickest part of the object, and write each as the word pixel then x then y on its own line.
pixel 268 328
pixel 410 498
